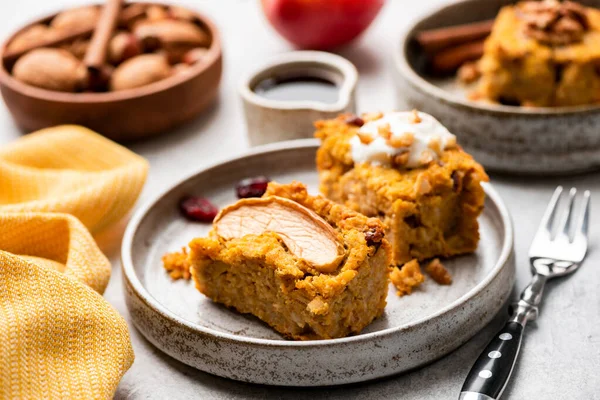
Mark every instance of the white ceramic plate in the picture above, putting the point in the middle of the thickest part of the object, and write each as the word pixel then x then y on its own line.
pixel 413 331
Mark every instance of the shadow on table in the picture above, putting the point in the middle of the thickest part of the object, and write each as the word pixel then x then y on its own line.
pixel 191 383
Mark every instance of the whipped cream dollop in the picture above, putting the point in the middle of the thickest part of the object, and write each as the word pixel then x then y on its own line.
pixel 401 139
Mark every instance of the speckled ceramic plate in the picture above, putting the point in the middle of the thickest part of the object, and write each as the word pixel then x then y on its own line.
pixel 511 139
pixel 413 331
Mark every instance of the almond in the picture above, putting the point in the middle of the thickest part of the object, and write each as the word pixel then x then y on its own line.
pixel 76 18
pixel 140 71
pixel 52 69
pixel 173 33
pixel 29 37
pixel 123 46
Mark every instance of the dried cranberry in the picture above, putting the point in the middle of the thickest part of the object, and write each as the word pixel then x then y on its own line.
pixel 355 120
pixel 252 187
pixel 198 209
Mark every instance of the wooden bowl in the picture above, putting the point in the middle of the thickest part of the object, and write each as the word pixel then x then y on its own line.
pixel 509 139
pixel 123 115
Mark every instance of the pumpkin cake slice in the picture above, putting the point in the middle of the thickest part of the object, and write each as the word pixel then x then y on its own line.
pixel 407 169
pixel 308 267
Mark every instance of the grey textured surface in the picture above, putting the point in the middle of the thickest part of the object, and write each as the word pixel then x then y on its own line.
pixel 560 357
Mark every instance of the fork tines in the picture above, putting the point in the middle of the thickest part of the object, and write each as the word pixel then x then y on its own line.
pixel 567 218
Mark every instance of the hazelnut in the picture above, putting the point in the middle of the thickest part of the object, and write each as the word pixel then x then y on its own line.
pixel 195 55
pixel 76 18
pixel 123 46
pixel 173 33
pixel 98 81
pixel 52 69
pixel 140 71
pixel 32 36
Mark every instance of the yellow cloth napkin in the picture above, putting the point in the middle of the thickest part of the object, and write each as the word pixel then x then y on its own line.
pixel 58 337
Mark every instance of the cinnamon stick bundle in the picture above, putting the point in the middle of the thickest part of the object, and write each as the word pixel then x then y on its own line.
pixel 449 60
pixel 450 47
pixel 434 40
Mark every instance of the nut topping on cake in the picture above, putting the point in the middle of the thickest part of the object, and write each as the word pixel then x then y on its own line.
pixel 401 139
pixel 365 138
pixel 554 23
pixel 305 234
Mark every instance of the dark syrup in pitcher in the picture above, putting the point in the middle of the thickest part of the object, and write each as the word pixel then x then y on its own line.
pixel 305 88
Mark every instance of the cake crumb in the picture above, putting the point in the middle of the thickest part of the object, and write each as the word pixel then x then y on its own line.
pixel 177 264
pixel 468 73
pixel 436 270
pixel 407 278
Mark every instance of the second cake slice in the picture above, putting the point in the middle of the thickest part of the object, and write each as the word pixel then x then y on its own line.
pixel 407 169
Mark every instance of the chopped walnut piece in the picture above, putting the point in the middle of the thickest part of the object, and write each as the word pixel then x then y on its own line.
pixel 407 278
pixel 405 140
pixel 469 72
pixel 426 157
pixel 400 160
pixel 435 144
pixel 306 234
pixel 451 142
pixel 177 264
pixel 457 180
pixel 415 117
pixel 365 138
pixel 385 131
pixel 554 23
pixel 372 116
pixel 422 185
pixel 436 270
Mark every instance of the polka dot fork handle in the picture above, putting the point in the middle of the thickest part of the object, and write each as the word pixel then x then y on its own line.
pixel 551 255
pixel 493 367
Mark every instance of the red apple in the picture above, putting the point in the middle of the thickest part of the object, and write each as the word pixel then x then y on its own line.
pixel 321 24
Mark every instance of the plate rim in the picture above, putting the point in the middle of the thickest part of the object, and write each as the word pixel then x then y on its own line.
pixel 141 292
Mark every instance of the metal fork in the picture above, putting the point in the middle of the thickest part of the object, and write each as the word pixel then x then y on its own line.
pixel 551 255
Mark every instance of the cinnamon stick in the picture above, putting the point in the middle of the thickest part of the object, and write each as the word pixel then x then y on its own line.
pixel 95 57
pixel 449 60
pixel 128 15
pixel 435 40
